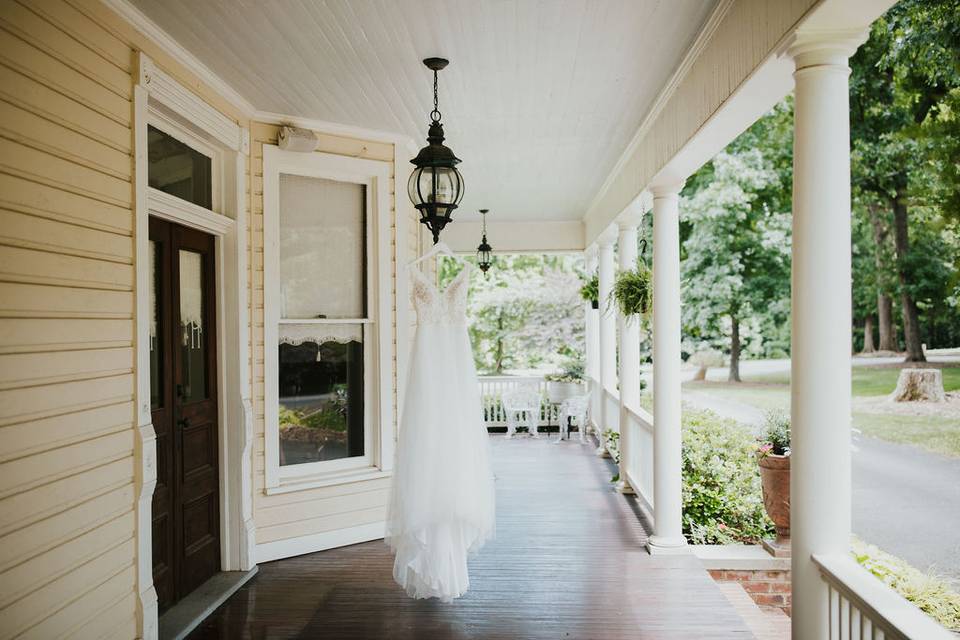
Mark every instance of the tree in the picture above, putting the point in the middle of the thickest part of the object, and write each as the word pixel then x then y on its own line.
pixel 903 93
pixel 737 255
pixel 525 313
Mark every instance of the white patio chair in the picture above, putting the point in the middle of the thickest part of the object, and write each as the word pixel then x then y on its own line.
pixel 574 410
pixel 523 400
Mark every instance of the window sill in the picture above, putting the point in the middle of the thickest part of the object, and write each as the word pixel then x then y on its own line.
pixel 304 483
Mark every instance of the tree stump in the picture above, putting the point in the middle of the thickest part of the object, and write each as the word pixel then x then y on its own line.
pixel 919 385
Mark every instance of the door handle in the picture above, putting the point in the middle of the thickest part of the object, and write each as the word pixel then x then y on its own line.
pixel 182 423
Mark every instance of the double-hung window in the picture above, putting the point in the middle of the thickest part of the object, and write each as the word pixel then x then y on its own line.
pixel 323 316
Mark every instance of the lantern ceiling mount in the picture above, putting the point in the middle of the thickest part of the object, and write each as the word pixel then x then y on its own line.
pixel 435 186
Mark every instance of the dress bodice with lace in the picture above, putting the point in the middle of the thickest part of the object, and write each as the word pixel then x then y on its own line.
pixel 436 306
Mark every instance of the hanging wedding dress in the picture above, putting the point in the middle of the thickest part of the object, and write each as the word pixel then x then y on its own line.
pixel 442 501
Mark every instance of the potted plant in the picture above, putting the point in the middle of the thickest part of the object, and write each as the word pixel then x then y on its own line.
pixel 633 292
pixel 773 456
pixel 590 291
pixel 568 382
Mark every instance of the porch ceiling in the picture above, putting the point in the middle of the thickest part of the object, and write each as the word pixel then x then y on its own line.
pixel 540 99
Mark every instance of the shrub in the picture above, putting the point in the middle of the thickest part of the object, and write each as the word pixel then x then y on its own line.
pixel 706 358
pixel 722 498
pixel 572 366
pixel 929 593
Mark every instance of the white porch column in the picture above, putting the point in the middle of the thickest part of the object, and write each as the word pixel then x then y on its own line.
pixel 608 336
pixel 667 487
pixel 629 340
pixel 592 339
pixel 821 292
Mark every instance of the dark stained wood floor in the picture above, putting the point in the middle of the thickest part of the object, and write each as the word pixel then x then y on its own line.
pixel 568 562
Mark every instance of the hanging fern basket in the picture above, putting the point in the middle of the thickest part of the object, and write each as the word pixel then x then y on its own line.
pixel 633 292
pixel 590 291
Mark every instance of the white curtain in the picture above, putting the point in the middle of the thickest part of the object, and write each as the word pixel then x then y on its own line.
pixel 322 246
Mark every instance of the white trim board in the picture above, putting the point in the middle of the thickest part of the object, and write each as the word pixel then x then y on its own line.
pixel 336 129
pixel 290 547
pixel 175 106
pixel 152 31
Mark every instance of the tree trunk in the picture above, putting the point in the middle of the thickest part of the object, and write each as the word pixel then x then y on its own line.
pixel 888 336
pixel 499 352
pixel 888 333
pixel 919 385
pixel 911 322
pixel 734 350
pixel 868 335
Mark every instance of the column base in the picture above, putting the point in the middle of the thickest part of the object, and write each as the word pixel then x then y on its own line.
pixel 624 487
pixel 667 546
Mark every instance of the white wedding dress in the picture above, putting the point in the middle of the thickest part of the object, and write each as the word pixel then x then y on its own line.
pixel 442 501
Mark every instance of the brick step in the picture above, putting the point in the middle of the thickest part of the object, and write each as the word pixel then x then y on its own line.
pixel 768 623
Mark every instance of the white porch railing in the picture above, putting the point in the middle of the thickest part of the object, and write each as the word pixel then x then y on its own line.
pixel 596 399
pixel 864 608
pixel 639 462
pixel 611 407
pixel 491 389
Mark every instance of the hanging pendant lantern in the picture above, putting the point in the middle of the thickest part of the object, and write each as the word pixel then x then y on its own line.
pixel 435 186
pixel 484 251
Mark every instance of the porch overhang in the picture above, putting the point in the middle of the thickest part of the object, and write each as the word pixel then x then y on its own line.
pixel 735 72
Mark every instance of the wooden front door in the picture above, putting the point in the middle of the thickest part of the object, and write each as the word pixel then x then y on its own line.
pixel 183 394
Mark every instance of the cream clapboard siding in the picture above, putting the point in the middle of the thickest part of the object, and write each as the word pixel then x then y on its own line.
pixel 67 538
pixel 314 511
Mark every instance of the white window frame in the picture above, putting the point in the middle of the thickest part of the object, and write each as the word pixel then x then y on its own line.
pixel 377 460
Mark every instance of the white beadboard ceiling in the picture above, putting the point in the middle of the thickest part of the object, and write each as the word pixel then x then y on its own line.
pixel 539 101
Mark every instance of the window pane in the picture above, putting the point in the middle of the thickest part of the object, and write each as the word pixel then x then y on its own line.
pixel 321 398
pixel 178 169
pixel 322 248
pixel 156 344
pixel 193 366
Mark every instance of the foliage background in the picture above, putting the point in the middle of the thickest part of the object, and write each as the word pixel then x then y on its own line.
pixel 526 313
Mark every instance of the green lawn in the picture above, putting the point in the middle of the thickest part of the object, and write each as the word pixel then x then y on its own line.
pixel 867 381
pixel 941 435
pixel 772 391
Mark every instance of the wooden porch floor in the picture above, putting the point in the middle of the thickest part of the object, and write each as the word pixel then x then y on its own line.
pixel 568 562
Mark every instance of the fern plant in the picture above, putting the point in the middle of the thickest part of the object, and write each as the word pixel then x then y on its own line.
pixel 590 291
pixel 633 292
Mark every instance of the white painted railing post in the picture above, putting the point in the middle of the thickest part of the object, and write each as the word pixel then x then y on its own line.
pixel 667 462
pixel 821 292
pixel 629 341
pixel 608 333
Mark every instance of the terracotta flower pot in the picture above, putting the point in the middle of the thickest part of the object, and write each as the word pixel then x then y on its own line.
pixel 775 477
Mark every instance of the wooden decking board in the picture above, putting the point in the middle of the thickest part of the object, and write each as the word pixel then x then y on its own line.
pixel 568 562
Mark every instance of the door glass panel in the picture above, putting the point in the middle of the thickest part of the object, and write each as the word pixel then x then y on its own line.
pixel 323 260
pixel 193 363
pixel 178 169
pixel 321 396
pixel 156 375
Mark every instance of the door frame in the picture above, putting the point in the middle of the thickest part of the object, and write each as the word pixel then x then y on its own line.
pixel 161 101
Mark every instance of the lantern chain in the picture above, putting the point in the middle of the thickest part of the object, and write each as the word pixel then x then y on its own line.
pixel 435 114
